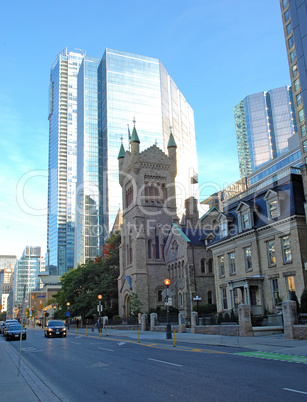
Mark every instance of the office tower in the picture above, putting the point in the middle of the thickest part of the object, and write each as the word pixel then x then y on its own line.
pixel 62 169
pixel 127 88
pixel 264 123
pixel 26 273
pixel 7 264
pixel 294 17
pixel 7 261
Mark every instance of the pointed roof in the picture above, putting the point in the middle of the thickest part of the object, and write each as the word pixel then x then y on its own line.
pixel 134 136
pixel 121 153
pixel 171 142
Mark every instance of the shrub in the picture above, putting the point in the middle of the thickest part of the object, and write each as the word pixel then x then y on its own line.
pixel 294 298
pixel 205 309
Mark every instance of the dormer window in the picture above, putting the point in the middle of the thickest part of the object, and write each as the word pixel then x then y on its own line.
pixel 273 203
pixel 245 216
pixel 224 221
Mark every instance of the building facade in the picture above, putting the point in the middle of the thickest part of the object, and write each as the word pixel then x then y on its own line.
pixel 294 18
pixel 26 272
pixel 93 103
pixel 62 164
pixel 260 252
pixel 264 123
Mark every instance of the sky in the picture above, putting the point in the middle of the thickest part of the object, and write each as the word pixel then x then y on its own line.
pixel 217 52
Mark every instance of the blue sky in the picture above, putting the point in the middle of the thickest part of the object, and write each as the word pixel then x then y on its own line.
pixel 217 52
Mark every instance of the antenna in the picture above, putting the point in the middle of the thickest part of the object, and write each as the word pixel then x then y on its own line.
pixel 81 51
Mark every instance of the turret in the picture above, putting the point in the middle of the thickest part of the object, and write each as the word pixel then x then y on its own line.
pixel 135 143
pixel 172 153
pixel 120 158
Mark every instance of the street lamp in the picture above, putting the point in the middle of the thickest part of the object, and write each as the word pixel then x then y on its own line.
pixel 99 308
pixel 67 314
pixel 54 308
pixel 167 283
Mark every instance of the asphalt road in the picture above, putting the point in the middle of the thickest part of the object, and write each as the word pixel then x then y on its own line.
pixel 80 368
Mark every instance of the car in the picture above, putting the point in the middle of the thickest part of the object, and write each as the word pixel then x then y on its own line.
pixel 2 326
pixel 55 328
pixel 7 322
pixel 13 331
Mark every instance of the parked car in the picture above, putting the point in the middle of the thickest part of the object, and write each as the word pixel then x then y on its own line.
pixel 13 331
pixel 2 326
pixel 7 322
pixel 55 328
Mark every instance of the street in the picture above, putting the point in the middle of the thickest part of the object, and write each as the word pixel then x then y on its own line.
pixel 80 367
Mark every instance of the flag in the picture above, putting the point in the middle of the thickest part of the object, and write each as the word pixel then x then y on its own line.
pixel 129 135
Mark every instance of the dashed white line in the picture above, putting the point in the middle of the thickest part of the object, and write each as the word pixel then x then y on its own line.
pixel 109 350
pixel 295 390
pixel 161 361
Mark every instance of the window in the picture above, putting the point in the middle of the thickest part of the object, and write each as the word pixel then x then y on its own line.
pixel 159 296
pixel 290 285
pixel 202 266
pixel 290 42
pixel 271 253
pixel 303 130
pixel 292 56
pixel 294 70
pixel 284 4
pixel 245 217
pixel 286 249
pixel 223 229
pixel 273 211
pixel 297 85
pixel 248 258
pixel 275 291
pixel 287 15
pixel 301 115
pixel 232 266
pixel 305 146
pixel 221 265
pixel 210 266
pixel 224 298
pixel 289 28
pixel 210 297
pixel 298 99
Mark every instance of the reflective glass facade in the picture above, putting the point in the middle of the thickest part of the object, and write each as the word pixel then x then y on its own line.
pixel 264 123
pixel 26 273
pixel 129 87
pixel 62 172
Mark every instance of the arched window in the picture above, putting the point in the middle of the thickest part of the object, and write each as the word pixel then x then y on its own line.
pixel 159 296
pixel 210 266
pixel 210 297
pixel 202 265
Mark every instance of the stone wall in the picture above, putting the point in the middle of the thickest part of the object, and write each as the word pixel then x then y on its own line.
pixel 227 330
pixel 300 332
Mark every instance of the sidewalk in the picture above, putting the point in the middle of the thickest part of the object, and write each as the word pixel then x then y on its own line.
pixel 29 388
pixel 269 343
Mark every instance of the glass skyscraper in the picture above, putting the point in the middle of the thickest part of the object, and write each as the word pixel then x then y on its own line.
pixel 62 170
pixel 93 103
pixel 127 87
pixel 26 273
pixel 264 123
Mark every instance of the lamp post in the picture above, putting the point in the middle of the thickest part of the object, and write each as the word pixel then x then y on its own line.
pixel 167 283
pixel 67 314
pixel 99 310
pixel 54 308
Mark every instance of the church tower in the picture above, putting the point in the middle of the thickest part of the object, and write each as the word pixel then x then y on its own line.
pixel 147 179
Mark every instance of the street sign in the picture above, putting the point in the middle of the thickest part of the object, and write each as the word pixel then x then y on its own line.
pixel 101 308
pixel 67 314
pixel 40 296
pixel 168 301
pixel 197 298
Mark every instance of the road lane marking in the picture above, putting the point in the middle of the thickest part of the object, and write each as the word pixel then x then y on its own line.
pixel 76 343
pixel 274 356
pixel 121 343
pixel 295 390
pixel 109 350
pixel 161 361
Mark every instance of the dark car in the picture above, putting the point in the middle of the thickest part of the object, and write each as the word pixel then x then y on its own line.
pixel 13 331
pixel 6 324
pixel 55 328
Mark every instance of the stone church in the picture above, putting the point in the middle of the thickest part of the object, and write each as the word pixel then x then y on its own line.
pixel 154 246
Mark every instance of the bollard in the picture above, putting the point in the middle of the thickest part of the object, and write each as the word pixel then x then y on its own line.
pixel 76 330
pixel 99 332
pixel 174 339
pixel 86 331
pixel 138 336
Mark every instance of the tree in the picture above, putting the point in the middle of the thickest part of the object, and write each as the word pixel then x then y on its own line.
pixel 82 285
pixel 135 304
